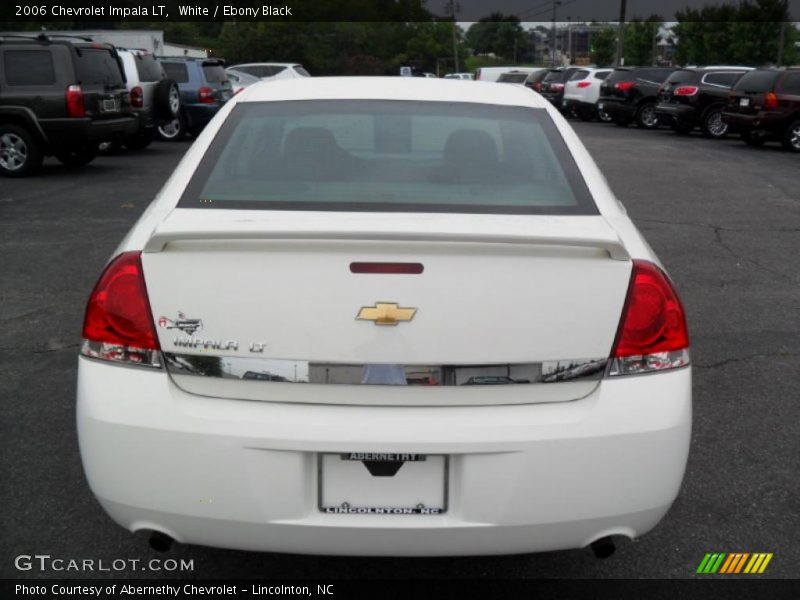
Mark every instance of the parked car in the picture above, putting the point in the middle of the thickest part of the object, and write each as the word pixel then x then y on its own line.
pixel 695 97
pixel 513 77
pixel 765 105
pixel 61 97
pixel 582 93
pixel 492 73
pixel 348 276
pixel 155 98
pixel 204 88
pixel 269 70
pixel 629 94
pixel 240 80
pixel 552 85
pixel 459 76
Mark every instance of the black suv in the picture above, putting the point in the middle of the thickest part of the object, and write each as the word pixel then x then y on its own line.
pixel 61 97
pixel 765 105
pixel 551 86
pixel 696 96
pixel 629 94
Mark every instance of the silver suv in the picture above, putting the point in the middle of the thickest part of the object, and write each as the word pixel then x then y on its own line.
pixel 155 98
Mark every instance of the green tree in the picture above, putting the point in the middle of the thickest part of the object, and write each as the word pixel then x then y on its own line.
pixel 640 41
pixel 500 34
pixel 746 34
pixel 604 47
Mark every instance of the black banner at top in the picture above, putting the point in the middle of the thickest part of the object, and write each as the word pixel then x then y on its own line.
pixel 121 11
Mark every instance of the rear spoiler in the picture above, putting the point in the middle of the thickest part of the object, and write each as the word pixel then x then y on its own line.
pixel 606 240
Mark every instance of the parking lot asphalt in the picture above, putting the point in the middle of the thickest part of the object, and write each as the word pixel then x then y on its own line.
pixel 723 217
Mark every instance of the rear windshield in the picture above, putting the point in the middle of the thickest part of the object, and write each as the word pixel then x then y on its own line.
pixel 619 75
pixel 683 77
pixel 148 67
pixel 98 66
pixel 553 77
pixel 602 74
pixel 396 156
pixel 512 78
pixel 214 73
pixel 757 81
pixel 578 75
pixel 176 71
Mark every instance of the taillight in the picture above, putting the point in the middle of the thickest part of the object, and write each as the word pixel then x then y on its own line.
pixel 770 101
pixel 75 104
pixel 652 333
pixel 685 90
pixel 537 86
pixel 584 84
pixel 206 95
pixel 137 97
pixel 624 86
pixel 556 87
pixel 118 325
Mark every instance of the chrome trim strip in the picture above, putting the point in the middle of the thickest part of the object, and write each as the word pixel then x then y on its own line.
pixel 269 370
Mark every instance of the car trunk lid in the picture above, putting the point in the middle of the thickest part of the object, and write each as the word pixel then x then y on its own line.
pixel 494 290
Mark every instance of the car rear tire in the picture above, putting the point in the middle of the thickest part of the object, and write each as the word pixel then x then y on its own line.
pixel 646 116
pixel 20 152
pixel 713 126
pixel 77 157
pixel 140 140
pixel 167 99
pixel 791 139
pixel 751 138
pixel 172 130
pixel 604 116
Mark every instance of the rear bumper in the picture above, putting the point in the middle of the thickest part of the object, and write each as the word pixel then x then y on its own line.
pixel 676 112
pixel 617 109
pixel 579 103
pixel 73 132
pixel 768 122
pixel 556 99
pixel 198 115
pixel 243 475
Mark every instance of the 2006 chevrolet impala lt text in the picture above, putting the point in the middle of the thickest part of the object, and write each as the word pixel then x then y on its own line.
pixel 385 316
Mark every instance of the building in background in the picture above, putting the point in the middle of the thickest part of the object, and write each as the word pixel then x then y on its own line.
pixel 144 39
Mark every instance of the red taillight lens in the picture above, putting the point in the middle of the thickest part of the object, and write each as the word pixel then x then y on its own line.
pixel 75 104
pixel 137 97
pixel 584 84
pixel 556 87
pixel 537 86
pixel 685 90
pixel 770 101
pixel 624 85
pixel 206 95
pixel 118 325
pixel 652 335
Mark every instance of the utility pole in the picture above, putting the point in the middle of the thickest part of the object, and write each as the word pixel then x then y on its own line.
pixel 621 33
pixel 555 4
pixel 453 8
pixel 781 42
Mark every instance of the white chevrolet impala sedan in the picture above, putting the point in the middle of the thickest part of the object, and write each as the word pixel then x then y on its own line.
pixel 385 316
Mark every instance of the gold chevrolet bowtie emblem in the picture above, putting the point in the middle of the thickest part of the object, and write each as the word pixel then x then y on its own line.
pixel 385 313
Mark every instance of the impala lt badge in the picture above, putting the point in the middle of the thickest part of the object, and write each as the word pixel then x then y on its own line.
pixel 189 326
pixel 385 313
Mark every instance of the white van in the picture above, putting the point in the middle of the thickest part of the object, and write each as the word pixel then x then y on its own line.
pixel 493 73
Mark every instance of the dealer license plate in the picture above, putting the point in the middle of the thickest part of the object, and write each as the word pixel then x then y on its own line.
pixel 110 105
pixel 383 483
pixel 744 101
